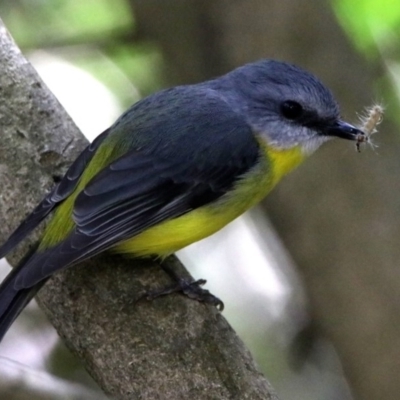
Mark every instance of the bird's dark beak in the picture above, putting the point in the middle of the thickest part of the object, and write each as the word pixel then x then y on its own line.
pixel 344 130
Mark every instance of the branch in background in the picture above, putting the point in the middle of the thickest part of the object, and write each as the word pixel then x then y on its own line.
pixel 172 347
pixel 106 41
pixel 20 382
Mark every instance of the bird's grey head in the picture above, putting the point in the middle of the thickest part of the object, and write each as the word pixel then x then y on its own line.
pixel 285 104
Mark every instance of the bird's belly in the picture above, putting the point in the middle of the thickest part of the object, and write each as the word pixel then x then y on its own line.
pixel 172 235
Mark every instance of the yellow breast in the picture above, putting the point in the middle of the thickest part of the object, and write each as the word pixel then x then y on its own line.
pixel 172 235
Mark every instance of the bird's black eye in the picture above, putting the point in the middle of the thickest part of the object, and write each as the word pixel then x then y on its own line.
pixel 291 109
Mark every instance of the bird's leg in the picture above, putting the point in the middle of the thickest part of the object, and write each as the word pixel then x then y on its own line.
pixel 189 287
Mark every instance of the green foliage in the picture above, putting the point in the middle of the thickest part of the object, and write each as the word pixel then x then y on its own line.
pixel 374 28
pixel 96 35
pixel 45 21
pixel 371 24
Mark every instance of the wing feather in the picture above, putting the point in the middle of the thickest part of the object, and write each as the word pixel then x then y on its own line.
pixel 59 193
pixel 172 166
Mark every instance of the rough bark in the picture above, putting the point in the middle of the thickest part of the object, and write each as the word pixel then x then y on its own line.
pixel 170 348
pixel 339 213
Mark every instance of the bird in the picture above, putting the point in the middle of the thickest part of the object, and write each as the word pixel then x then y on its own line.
pixel 176 167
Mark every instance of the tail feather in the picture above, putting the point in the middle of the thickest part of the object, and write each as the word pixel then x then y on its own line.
pixel 19 300
pixel 13 300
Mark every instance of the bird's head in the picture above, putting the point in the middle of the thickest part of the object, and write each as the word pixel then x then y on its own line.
pixel 286 106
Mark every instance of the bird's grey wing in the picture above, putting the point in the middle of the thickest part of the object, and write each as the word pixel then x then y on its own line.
pixel 59 192
pixel 141 189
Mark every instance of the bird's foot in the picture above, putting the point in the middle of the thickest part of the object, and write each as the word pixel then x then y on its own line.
pixel 191 289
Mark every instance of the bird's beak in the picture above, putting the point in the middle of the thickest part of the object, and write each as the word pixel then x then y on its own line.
pixel 344 130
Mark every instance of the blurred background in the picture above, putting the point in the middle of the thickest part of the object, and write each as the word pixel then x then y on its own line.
pixel 310 279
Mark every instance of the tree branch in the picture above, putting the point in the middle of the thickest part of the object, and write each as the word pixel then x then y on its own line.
pixel 170 348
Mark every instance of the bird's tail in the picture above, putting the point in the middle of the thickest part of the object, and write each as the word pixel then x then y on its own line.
pixel 12 300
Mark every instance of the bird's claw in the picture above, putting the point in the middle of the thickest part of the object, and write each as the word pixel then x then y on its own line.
pixel 193 290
